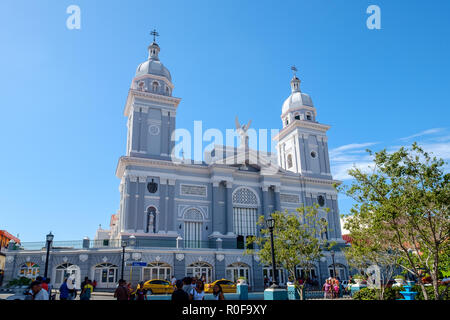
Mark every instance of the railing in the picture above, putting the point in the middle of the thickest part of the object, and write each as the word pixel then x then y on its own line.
pixel 139 243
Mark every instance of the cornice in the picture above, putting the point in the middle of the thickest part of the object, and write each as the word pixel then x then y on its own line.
pixel 149 96
pixel 301 124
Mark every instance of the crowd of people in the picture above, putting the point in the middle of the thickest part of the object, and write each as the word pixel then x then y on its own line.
pixel 332 288
pixel 187 289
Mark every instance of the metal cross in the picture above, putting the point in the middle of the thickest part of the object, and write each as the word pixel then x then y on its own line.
pixel 294 70
pixel 155 34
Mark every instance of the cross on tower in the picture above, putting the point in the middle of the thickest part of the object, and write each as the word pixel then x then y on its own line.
pixel 155 34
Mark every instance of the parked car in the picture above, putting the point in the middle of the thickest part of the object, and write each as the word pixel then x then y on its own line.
pixel 158 286
pixel 227 286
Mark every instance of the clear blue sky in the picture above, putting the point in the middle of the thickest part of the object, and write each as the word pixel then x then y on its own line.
pixel 62 92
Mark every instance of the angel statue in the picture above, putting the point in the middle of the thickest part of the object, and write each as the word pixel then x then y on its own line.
pixel 242 131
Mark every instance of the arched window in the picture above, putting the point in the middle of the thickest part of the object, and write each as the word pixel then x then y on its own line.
pixel 167 91
pixel 306 272
pixel 193 221
pixel 67 270
pixel 29 270
pixel 199 270
pixel 268 275
pixel 340 271
pixel 155 86
pixel 106 275
pixel 245 212
pixel 157 270
pixel 238 270
pixel 289 161
pixel 297 116
pixel 308 116
pixel 151 220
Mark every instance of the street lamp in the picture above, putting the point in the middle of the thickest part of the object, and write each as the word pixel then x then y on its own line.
pixel 131 241
pixel 270 223
pixel 49 239
pixel 334 267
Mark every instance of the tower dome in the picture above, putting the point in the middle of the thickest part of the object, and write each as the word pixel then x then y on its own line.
pixel 297 98
pixel 153 65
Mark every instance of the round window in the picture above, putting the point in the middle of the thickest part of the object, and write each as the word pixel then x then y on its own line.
pixel 313 154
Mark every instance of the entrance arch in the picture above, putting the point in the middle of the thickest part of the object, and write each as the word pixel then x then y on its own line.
pixel 106 275
pixel 200 269
pixel 66 270
pixel 238 270
pixel 157 270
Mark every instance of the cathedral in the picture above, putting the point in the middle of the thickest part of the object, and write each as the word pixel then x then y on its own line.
pixel 181 218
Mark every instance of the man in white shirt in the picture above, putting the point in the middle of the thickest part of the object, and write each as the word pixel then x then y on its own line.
pixel 71 287
pixel 38 292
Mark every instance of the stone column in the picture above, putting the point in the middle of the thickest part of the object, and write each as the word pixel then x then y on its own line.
pixel 215 207
pixel 130 223
pixel 229 201
pixel 265 201
pixel 140 210
pixel 163 200
pixel 144 131
pixel 171 214
pixel 277 201
pixel 164 133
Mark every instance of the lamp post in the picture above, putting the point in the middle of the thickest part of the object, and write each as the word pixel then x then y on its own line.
pixel 49 239
pixel 124 245
pixel 131 241
pixel 270 223
pixel 334 267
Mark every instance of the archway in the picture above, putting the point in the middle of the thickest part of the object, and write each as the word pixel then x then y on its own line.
pixel 157 270
pixel 199 270
pixel 238 270
pixel 67 270
pixel 106 275
pixel 29 270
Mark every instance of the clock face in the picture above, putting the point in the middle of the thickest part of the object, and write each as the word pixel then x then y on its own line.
pixel 154 130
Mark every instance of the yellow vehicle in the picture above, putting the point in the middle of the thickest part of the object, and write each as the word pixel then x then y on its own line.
pixel 158 286
pixel 227 286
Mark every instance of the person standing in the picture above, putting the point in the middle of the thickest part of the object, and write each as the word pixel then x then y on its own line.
pixel 141 293
pixel 122 293
pixel 64 290
pixel 86 290
pixel 188 287
pixel 326 289
pixel 38 293
pixel 199 291
pixel 85 281
pixel 71 288
pixel 218 292
pixel 179 294
pixel 173 282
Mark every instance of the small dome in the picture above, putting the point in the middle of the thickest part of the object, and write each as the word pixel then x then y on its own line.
pixel 153 67
pixel 295 100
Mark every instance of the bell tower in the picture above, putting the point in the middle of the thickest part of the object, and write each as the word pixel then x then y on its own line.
pixel 302 142
pixel 151 109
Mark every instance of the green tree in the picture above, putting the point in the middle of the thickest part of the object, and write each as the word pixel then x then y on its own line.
pixel 403 205
pixel 298 239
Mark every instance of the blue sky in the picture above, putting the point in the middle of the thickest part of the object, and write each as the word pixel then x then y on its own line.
pixel 62 91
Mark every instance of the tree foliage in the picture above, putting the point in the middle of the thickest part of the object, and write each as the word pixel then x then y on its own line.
pixel 298 239
pixel 402 206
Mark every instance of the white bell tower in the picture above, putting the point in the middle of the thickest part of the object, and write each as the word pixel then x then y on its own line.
pixel 302 142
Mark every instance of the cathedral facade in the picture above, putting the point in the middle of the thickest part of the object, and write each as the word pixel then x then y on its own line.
pixel 192 219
